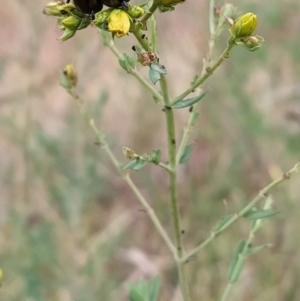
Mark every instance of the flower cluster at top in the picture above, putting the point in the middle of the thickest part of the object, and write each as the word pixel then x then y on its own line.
pixel 70 18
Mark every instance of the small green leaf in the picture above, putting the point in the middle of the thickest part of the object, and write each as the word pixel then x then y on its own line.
pixel 194 79
pixel 155 156
pixel 186 153
pixel 255 250
pixel 135 296
pixel 140 165
pixel 154 76
pixel 154 287
pixel 127 62
pixel 222 222
pixel 258 214
pixel 188 102
pixel 122 63
pixel 131 164
pixel 166 8
pixel 138 49
pixel 135 164
pixel 236 265
pixel 143 291
pixel 161 69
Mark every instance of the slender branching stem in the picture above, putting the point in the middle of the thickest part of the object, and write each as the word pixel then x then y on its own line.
pixel 110 44
pixel 150 12
pixel 141 37
pixel 152 23
pixel 206 73
pixel 102 142
pixel 241 258
pixel 173 188
pixel 227 291
pixel 261 196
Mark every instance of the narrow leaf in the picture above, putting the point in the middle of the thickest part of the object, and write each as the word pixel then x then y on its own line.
pixel 154 287
pixel 255 250
pixel 135 296
pixel 222 222
pixel 123 64
pixel 154 76
pixel 258 214
pixel 236 265
pixel 186 154
pixel 140 165
pixel 131 164
pixel 155 156
pixel 159 68
pixel 188 102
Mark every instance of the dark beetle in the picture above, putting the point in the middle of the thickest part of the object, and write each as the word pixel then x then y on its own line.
pixel 93 6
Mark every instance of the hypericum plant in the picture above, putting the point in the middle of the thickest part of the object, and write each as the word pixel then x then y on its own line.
pixel 139 21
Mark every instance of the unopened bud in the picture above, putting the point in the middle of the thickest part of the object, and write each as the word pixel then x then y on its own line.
pixel 244 25
pixel 68 34
pixel 52 9
pixel 101 17
pixel 71 22
pixel 135 11
pixel 252 43
pixel 129 153
pixel 70 74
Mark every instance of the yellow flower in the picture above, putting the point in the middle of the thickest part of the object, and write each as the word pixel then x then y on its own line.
pixel 119 23
pixel 244 25
pixel 69 76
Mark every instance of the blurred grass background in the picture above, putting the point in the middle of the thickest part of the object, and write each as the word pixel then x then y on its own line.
pixel 72 230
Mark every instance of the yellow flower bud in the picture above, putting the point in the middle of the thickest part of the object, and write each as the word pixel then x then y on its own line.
pixel 68 34
pixel 135 11
pixel 119 22
pixel 244 25
pixel 52 9
pixel 101 17
pixel 70 74
pixel 252 43
pixel 1 276
pixel 71 22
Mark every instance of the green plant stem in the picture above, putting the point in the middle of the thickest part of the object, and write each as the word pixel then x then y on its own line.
pixel 173 189
pixel 110 44
pixel 227 291
pixel 153 34
pixel 151 214
pixel 262 195
pixel 102 142
pixel 150 12
pixel 139 35
pixel 206 73
pixel 164 166
pixel 241 259
pixel 256 225
pixel 209 71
